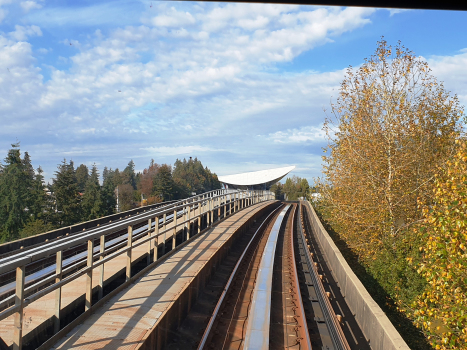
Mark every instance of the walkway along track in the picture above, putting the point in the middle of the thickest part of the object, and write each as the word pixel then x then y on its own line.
pixel 274 297
pixel 189 218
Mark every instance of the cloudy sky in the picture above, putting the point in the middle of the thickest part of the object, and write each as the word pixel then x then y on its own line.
pixel 241 86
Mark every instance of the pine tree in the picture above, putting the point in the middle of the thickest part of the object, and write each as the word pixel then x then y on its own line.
pixel 92 205
pixel 39 204
pixel 108 198
pixel 14 195
pixel 82 176
pixel 163 182
pixel 128 174
pixel 66 195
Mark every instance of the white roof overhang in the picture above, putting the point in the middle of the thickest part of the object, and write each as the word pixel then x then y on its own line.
pixel 256 177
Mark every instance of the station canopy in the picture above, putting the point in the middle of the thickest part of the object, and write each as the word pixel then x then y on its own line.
pixel 255 180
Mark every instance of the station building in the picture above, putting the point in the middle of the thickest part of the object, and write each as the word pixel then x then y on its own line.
pixel 254 180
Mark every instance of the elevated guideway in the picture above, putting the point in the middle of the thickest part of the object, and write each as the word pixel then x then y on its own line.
pixel 148 282
pixel 59 295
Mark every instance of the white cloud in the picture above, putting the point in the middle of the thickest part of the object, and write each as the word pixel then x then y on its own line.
pixel 452 70
pixel 178 150
pixel 173 18
pixel 30 5
pixel 393 12
pixel 22 33
pixel 304 134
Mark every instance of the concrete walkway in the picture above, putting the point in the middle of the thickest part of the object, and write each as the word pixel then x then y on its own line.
pixel 128 319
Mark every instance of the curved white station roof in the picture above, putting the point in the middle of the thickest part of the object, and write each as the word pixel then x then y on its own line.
pixel 256 177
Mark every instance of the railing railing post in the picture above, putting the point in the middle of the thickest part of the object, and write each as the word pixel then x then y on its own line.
pixel 211 211
pixel 101 268
pixel 156 240
pixel 128 252
pixel 150 241
pixel 199 217
pixel 164 228
pixel 58 292
pixel 225 205
pixel 174 236
pixel 88 302
pixel 19 301
pixel 188 214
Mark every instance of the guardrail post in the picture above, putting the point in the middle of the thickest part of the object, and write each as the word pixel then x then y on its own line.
pixel 188 214
pixel 58 292
pixel 19 301
pixel 230 204
pixel 88 301
pixel 199 216
pixel 156 240
pixel 128 252
pixel 211 211
pixel 150 241
pixel 225 205
pixel 164 227
pixel 174 236
pixel 101 272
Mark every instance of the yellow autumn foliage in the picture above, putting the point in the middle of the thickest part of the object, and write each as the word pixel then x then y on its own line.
pixel 442 309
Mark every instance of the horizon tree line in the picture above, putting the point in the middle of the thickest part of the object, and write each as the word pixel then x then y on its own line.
pixel 29 206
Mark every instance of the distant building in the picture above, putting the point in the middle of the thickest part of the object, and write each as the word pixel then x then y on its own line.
pixel 255 180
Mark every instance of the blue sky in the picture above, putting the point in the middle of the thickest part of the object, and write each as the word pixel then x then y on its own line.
pixel 240 86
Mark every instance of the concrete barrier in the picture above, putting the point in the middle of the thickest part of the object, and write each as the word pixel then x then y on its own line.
pixel 373 322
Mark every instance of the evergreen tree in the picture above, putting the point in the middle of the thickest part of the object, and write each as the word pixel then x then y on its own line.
pixel 92 205
pixel 163 182
pixel 108 198
pixel 66 195
pixel 82 176
pixel 14 195
pixel 129 176
pixel 39 205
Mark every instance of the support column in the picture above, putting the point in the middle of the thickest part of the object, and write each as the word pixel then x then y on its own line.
pixel 19 301
pixel 58 292
pixel 88 302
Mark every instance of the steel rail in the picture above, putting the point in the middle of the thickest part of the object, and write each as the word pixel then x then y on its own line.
pixel 335 331
pixel 257 331
pixel 301 320
pixel 229 282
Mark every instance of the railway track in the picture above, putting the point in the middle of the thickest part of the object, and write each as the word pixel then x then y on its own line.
pixel 274 297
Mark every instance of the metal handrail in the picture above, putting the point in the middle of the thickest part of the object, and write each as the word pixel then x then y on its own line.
pixel 47 249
